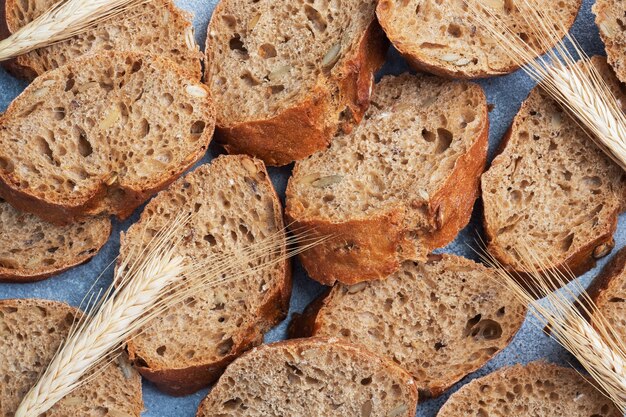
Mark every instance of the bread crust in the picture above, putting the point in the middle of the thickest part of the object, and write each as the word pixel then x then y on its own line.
pixel 309 126
pixel 602 284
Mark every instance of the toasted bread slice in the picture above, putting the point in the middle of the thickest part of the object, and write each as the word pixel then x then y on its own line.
pixel 235 205
pixel 155 27
pixel 441 37
pixel 412 318
pixel 286 75
pixel 312 377
pixel 534 390
pixel 101 135
pixel 32 250
pixel 610 19
pixel 401 184
pixel 32 331
pixel 552 188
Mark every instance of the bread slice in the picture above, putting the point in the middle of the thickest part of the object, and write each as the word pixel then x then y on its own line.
pixel 441 37
pixel 610 19
pixel 401 184
pixel 553 187
pixel 439 320
pixel 156 27
pixel 32 250
pixel 535 390
pixel 286 75
pixel 101 135
pixel 235 206
pixel 32 330
pixel 312 377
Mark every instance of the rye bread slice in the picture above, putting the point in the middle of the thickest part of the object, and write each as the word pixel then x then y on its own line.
pixel 32 330
pixel 156 27
pixel 101 135
pixel 610 18
pixel 286 74
pixel 312 377
pixel 32 250
pixel 440 36
pixel 401 184
pixel 538 389
pixel 235 205
pixel 439 320
pixel 553 187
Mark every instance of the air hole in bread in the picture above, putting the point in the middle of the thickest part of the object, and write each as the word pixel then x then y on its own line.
pixel 236 44
pixel 444 140
pixel 316 18
pixel 267 50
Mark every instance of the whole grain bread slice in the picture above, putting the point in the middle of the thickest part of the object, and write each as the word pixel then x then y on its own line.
pixel 610 18
pixel 32 331
pixel 552 188
pixel 311 377
pixel 287 74
pixel 32 250
pixel 401 184
pixel 101 135
pixel 156 27
pixel 439 320
pixel 441 37
pixel 234 206
pixel 538 389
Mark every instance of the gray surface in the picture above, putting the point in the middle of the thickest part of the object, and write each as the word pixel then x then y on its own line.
pixel 506 93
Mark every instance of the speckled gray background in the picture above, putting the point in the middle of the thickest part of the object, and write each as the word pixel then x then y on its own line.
pixel 505 93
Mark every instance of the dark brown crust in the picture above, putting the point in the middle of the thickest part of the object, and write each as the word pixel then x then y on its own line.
pixel 602 283
pixel 117 200
pixel 308 127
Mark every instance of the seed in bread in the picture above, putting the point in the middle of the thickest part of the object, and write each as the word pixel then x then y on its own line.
pixel 32 330
pixel 441 36
pixel 552 187
pixel 101 135
pixel 234 206
pixel 610 20
pixel 32 250
pixel 401 184
pixel 312 377
pixel 534 390
pixel 439 320
pixel 155 27
pixel 287 74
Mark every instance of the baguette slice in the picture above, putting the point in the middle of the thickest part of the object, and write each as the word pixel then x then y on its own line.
pixel 401 184
pixel 610 19
pixel 552 187
pixel 312 377
pixel 286 76
pixel 156 27
pixel 32 250
pixel 235 205
pixel 534 390
pixel 101 135
pixel 440 36
pixel 414 318
pixel 32 330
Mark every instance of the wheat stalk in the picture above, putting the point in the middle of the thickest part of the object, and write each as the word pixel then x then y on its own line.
pixel 568 76
pixel 147 283
pixel 596 345
pixel 65 19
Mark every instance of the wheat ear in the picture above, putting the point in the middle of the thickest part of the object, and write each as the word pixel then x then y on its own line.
pixel 565 311
pixel 567 74
pixel 65 19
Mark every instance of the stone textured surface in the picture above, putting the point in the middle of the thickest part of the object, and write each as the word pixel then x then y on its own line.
pixel 505 93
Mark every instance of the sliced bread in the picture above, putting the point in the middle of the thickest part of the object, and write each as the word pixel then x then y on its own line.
pixel 535 390
pixel 401 184
pixel 439 320
pixel 235 206
pixel 156 27
pixel 32 250
pixel 287 74
pixel 611 19
pixel 101 135
pixel 32 330
pixel 310 378
pixel 441 36
pixel 552 188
